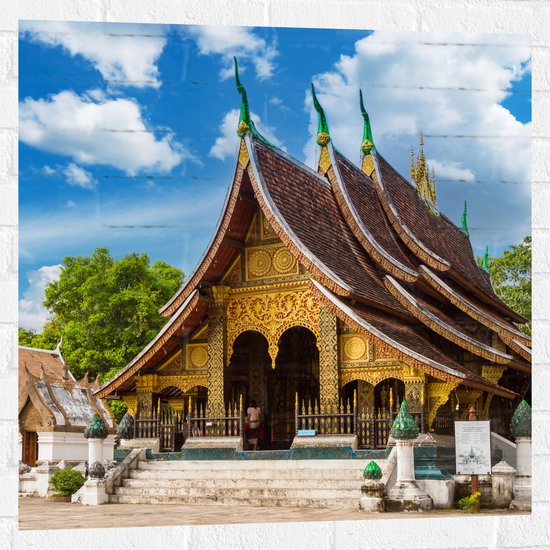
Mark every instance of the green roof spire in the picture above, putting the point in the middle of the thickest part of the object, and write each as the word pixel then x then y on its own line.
pixel 485 263
pixel 465 219
pixel 245 124
pixel 520 426
pixel 404 426
pixel 323 134
pixel 368 142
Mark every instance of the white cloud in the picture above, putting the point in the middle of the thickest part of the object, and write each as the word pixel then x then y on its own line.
pixel 451 170
pixel 110 131
pixel 71 204
pixel 125 57
pixel 227 142
pixel 32 314
pixel 79 177
pixel 240 42
pixel 391 68
pixel 48 170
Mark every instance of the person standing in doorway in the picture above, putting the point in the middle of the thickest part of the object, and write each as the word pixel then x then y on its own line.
pixel 253 413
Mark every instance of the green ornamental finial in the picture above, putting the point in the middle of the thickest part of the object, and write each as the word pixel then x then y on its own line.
pixel 465 219
pixel 372 471
pixel 485 263
pixel 323 134
pixel 96 428
pixel 244 126
pixel 520 426
pixel 404 426
pixel 126 427
pixel 367 144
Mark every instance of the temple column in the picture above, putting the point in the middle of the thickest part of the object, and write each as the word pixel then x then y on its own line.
pixel 328 357
pixel 217 339
pixel 145 387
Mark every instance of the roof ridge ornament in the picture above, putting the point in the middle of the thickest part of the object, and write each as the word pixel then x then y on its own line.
pixel 485 262
pixel 245 124
pixel 367 145
pixel 420 174
pixel 464 220
pixel 323 133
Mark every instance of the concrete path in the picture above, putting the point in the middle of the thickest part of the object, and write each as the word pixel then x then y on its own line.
pixel 37 514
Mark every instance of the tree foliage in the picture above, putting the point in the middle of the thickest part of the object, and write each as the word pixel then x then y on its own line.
pixel 106 310
pixel 511 279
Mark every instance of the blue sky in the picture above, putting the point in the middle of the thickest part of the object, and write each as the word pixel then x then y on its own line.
pixel 127 132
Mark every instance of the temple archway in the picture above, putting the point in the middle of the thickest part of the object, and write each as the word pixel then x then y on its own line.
pixel 296 372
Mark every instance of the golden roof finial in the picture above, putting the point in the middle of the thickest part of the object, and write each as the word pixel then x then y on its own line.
pixel 420 174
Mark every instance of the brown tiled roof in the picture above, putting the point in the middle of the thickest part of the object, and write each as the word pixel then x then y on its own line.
pixel 434 230
pixel 304 203
pixel 37 359
pixel 364 200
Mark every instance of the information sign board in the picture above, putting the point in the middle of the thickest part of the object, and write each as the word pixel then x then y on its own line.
pixel 473 447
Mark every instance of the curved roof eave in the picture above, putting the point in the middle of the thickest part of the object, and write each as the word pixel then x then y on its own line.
pixel 466 306
pixel 433 322
pixel 202 265
pixel 361 232
pixel 416 246
pixel 286 234
pixel 433 368
pixel 151 348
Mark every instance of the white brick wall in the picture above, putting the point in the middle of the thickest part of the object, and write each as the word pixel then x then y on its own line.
pixel 501 16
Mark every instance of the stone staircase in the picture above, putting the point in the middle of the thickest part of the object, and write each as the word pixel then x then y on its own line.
pixel 332 484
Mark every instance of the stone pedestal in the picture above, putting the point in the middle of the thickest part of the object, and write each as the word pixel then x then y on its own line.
pixel 94 493
pixel 95 450
pixel 502 484
pixel 372 496
pixel 405 495
pixel 522 482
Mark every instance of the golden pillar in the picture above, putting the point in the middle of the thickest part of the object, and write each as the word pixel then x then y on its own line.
pixel 145 387
pixel 217 337
pixel 328 357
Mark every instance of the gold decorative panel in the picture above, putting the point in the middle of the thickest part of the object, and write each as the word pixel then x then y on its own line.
pixel 173 364
pixel 355 347
pixel 244 158
pixel 373 374
pixel 183 382
pixel 131 401
pixel 197 356
pixel 216 347
pixel 233 274
pixel 438 394
pixel 271 314
pixel 267 232
pixel 328 356
pixel 266 262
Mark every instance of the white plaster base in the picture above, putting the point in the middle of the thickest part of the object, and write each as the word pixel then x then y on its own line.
pixel 406 496
pixel 522 494
pixel 70 446
pixel 94 493
pixel 441 491
pixel 372 496
pixel 502 481
pixel 142 443
pixel 325 441
pixel 212 442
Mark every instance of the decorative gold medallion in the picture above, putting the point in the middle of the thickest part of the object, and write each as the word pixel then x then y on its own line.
pixel 355 348
pixel 199 357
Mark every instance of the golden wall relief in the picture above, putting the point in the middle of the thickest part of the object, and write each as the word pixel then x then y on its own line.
pixel 269 261
pixel 271 314
pixel 233 273
pixel 183 382
pixel 196 356
pixel 266 230
pixel 438 394
pixel 328 357
pixel 173 364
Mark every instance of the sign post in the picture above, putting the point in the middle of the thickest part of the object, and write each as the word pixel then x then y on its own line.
pixel 473 449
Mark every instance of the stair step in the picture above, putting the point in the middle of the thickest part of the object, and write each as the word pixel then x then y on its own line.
pixel 351 503
pixel 277 483
pixel 220 493
pixel 248 474
pixel 238 465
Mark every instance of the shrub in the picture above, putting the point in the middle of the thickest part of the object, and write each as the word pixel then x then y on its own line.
pixel 469 503
pixel 66 482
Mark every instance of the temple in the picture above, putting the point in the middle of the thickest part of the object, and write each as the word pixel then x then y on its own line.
pixel 334 289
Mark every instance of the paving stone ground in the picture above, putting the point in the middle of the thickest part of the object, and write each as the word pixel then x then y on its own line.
pixel 39 514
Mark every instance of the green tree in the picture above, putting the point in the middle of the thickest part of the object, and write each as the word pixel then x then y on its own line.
pixel 511 279
pixel 106 310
